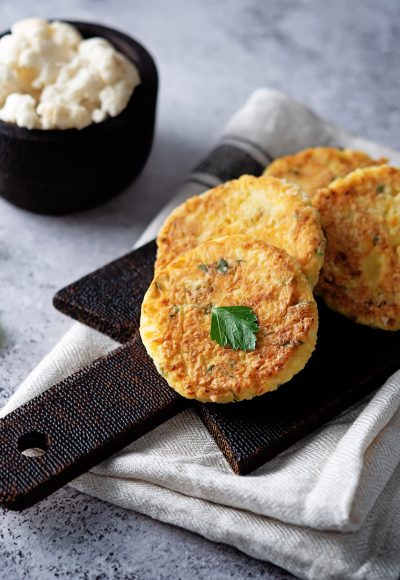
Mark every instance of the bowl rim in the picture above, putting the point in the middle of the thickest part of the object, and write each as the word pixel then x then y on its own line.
pixel 146 61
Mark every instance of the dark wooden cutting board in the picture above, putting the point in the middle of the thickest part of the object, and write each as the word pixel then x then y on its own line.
pixel 102 408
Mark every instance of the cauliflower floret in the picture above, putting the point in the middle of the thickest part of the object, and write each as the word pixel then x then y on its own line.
pixel 31 27
pixel 34 55
pixel 10 48
pixel 42 62
pixel 100 55
pixel 114 98
pixel 8 83
pixel 99 115
pixel 127 71
pixel 20 109
pixel 78 85
pixel 60 116
pixel 64 34
pixel 111 65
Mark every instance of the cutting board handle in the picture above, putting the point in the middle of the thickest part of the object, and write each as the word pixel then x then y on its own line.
pixel 79 422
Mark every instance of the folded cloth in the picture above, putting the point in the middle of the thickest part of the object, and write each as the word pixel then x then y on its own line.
pixel 329 506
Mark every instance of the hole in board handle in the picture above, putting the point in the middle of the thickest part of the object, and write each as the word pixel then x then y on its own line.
pixel 33 444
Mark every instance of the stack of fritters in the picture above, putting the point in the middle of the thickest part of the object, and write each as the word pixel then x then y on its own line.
pixel 360 215
pixel 258 242
pixel 358 199
pixel 264 208
pixel 315 168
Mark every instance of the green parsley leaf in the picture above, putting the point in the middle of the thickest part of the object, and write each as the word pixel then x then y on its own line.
pixel 376 239
pixel 203 267
pixel 380 188
pixel 174 311
pixel 222 266
pixel 235 326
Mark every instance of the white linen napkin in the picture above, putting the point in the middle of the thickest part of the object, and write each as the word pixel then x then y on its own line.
pixel 328 507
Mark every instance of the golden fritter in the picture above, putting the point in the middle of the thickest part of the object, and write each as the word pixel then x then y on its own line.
pixel 176 318
pixel 263 207
pixel 315 168
pixel 361 218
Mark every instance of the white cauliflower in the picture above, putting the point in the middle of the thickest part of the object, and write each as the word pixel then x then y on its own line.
pixel 8 83
pixel 50 78
pixel 60 116
pixel 114 98
pixel 21 110
pixel 31 28
pixel 65 35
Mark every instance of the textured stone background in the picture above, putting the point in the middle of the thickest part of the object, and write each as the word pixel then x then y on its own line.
pixel 341 58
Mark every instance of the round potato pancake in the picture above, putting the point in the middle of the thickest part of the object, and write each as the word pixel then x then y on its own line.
pixel 361 218
pixel 263 207
pixel 315 168
pixel 230 271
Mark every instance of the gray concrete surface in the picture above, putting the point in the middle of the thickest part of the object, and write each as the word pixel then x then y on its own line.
pixel 340 58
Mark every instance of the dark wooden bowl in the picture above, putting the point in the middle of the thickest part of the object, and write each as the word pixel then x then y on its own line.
pixel 61 171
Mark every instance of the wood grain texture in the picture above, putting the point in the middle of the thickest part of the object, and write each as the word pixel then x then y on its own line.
pixel 110 298
pixel 57 171
pixel 81 421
